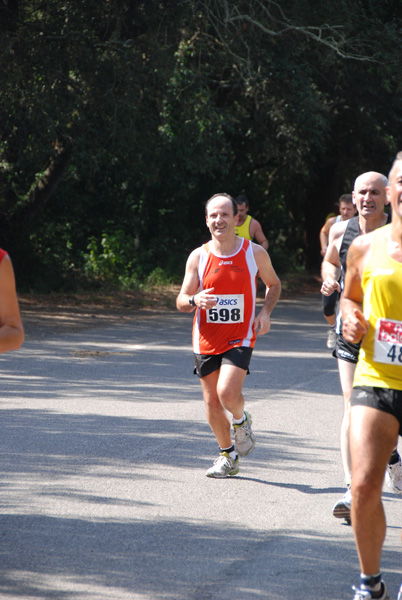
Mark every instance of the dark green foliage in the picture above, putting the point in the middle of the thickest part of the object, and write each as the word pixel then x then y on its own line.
pixel 119 119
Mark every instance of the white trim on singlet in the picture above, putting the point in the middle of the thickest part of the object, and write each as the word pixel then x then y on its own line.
pixel 252 270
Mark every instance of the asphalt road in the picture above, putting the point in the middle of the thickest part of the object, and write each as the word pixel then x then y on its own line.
pixel 104 449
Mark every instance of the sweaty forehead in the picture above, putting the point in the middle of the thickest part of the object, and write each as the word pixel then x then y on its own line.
pixel 220 203
pixel 369 183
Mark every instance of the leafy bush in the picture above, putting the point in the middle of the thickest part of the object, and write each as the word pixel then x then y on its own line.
pixel 111 259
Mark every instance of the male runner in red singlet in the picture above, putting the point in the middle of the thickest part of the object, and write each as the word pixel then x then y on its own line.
pixel 220 283
pixel 11 329
pixel 372 314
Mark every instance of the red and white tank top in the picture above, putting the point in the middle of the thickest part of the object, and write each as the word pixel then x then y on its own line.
pixel 3 253
pixel 230 323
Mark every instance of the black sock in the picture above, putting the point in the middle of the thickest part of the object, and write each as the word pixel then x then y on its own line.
pixel 231 451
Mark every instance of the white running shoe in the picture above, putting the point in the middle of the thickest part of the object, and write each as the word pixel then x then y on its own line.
pixel 393 477
pixel 224 466
pixel 400 593
pixel 331 339
pixel 342 508
pixel 365 595
pixel 244 436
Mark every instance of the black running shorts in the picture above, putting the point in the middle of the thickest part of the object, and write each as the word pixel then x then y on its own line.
pixel 346 350
pixel 205 364
pixel 384 399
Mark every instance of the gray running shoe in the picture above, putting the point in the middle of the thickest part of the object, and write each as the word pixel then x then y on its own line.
pixel 393 477
pixel 224 466
pixel 341 509
pixel 244 437
pixel 331 339
pixel 365 595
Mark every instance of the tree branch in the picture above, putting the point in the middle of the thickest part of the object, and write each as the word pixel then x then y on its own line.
pixel 330 36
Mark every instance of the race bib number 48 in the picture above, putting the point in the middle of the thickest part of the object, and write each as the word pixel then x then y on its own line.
pixel 388 342
pixel 229 309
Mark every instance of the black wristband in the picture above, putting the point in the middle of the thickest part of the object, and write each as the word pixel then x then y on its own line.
pixel 191 301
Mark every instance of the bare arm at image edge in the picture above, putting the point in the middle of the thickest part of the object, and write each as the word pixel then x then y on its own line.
pixel 11 329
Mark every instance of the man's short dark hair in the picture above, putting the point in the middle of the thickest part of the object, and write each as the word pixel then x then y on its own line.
pixel 228 196
pixel 348 198
pixel 241 200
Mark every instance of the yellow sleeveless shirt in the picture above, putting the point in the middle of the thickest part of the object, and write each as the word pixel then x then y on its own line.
pixel 380 358
pixel 244 229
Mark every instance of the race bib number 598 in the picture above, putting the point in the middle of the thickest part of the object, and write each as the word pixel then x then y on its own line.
pixel 388 342
pixel 229 309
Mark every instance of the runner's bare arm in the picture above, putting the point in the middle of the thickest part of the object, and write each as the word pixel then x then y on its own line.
pixel 324 234
pixel 336 232
pixel 204 299
pixel 11 329
pixel 354 324
pixel 257 233
pixel 273 289
pixel 331 265
pixel 331 270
